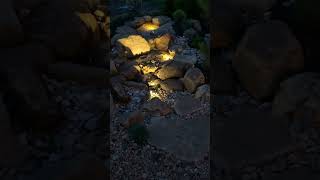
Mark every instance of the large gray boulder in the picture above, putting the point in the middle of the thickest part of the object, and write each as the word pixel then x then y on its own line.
pixel 267 54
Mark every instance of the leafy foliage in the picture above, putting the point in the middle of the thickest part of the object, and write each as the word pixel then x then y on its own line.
pixel 139 133
pixel 179 15
pixel 196 42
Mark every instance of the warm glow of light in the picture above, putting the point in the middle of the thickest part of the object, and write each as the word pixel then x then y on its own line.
pixel 148 27
pixel 166 56
pixel 154 94
pixel 149 69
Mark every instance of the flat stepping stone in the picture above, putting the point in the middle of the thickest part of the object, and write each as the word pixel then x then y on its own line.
pixel 188 139
pixel 187 105
pixel 249 135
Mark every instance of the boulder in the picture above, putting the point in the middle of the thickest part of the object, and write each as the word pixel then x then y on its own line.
pixel 11 32
pixel 58 27
pixel 133 45
pixel 129 70
pixel 162 43
pixel 172 85
pixel 147 18
pixel 175 69
pixel 261 66
pixel 118 89
pixel 192 79
pixel 154 82
pixel 203 92
pixel 189 59
pixel 298 99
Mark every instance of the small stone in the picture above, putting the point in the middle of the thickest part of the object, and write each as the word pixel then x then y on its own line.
pixel 203 92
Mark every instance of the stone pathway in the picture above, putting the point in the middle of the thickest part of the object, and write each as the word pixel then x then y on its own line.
pixel 159 75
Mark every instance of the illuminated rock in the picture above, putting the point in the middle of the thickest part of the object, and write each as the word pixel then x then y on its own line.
pixel 166 56
pixel 173 70
pixel 149 69
pixel 163 42
pixel 192 79
pixel 133 45
pixel 148 27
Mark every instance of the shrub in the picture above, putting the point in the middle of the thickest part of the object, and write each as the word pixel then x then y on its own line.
pixel 179 16
pixel 196 42
pixel 139 134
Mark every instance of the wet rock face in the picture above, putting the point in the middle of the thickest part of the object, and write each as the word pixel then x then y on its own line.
pixel 133 45
pixel 261 66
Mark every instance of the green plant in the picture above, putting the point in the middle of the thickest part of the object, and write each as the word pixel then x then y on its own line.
pixel 138 133
pixel 204 6
pixel 179 15
pixel 196 42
